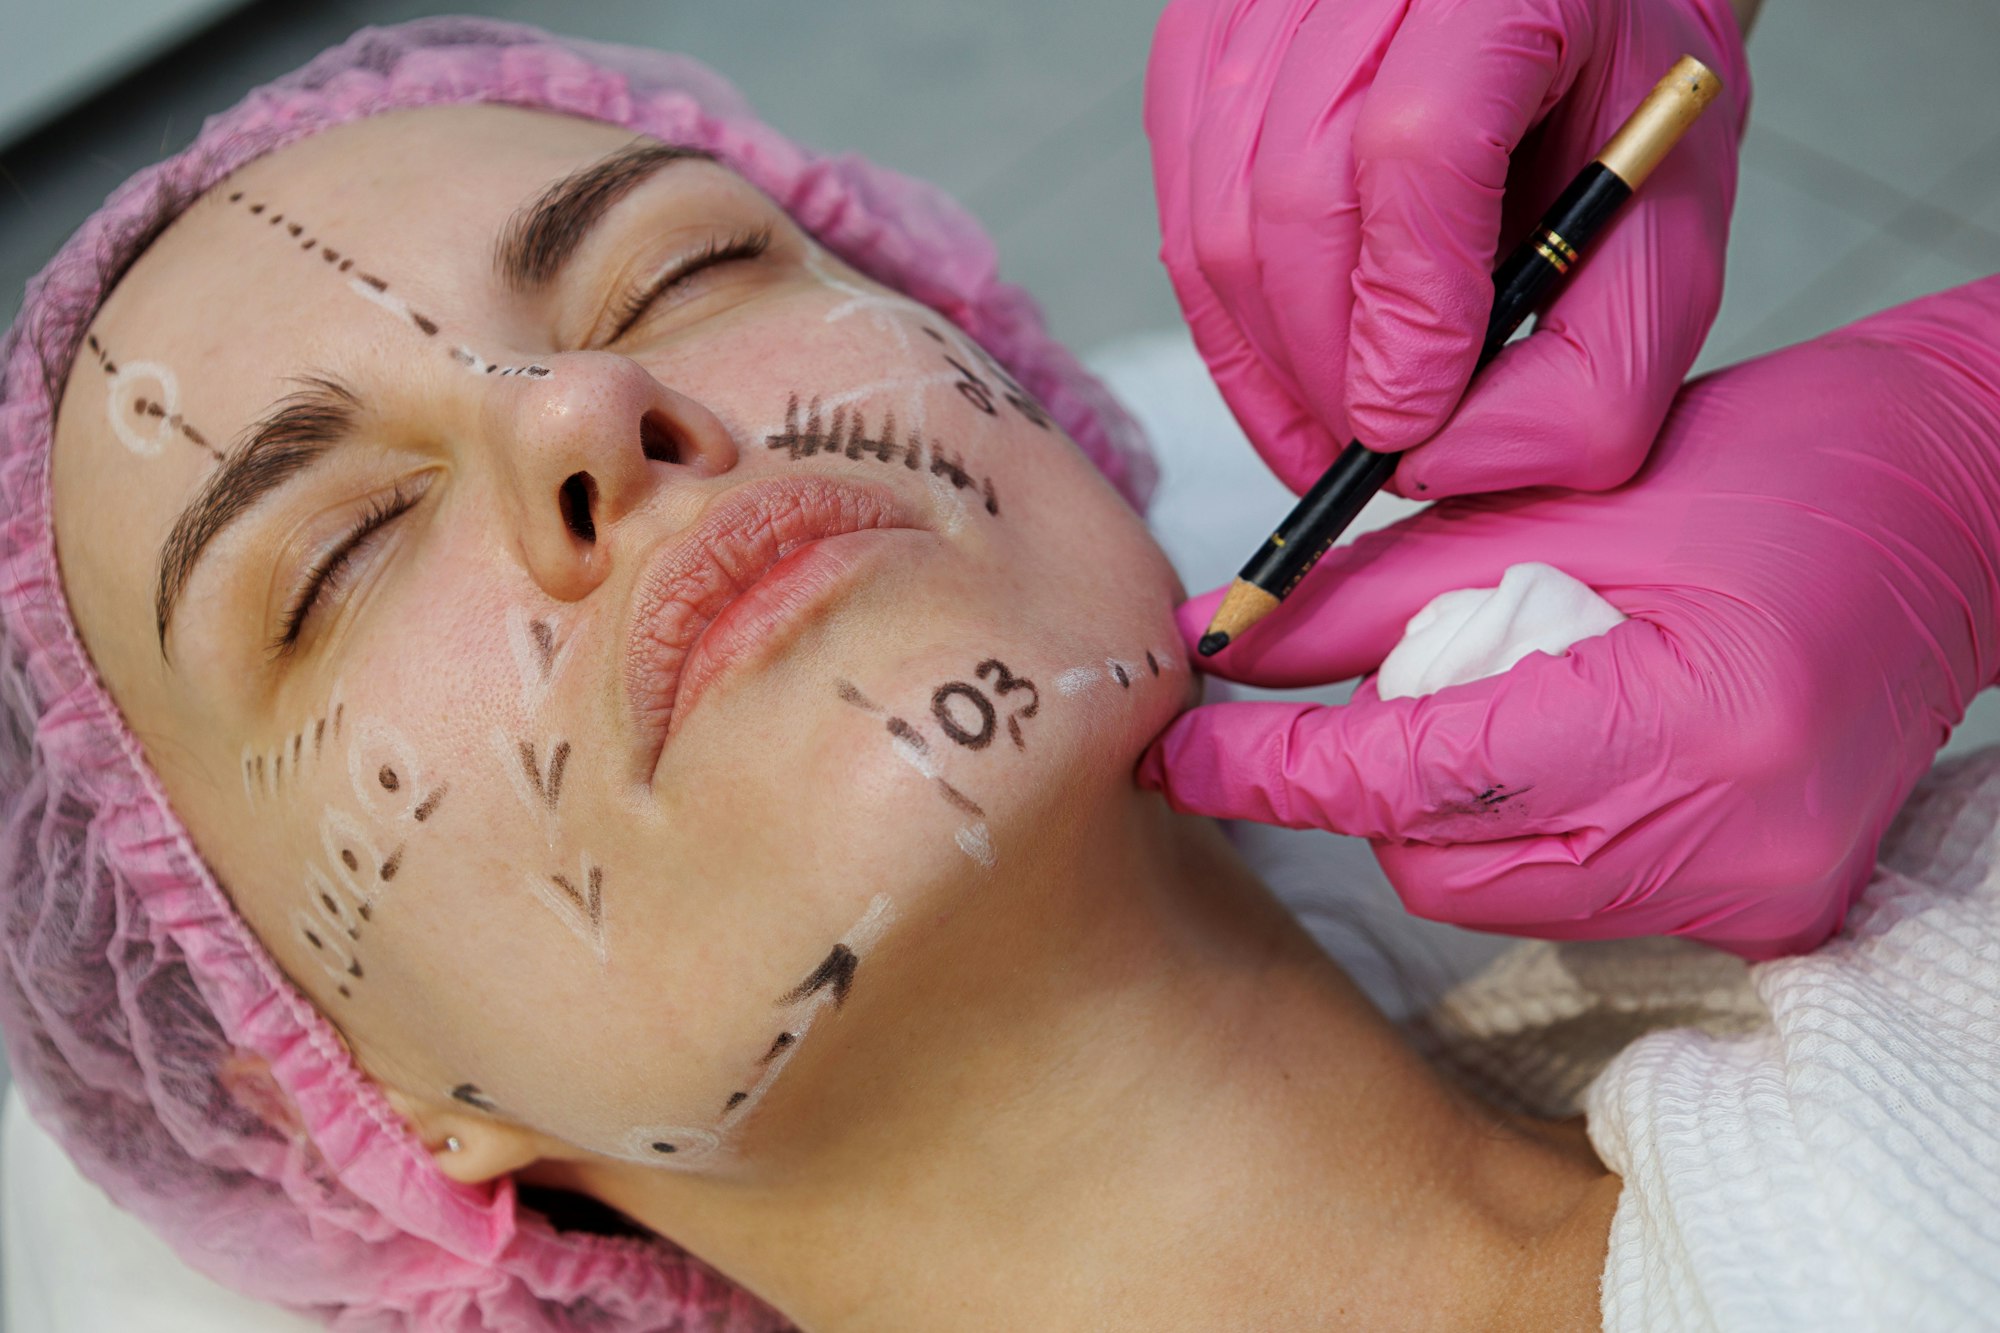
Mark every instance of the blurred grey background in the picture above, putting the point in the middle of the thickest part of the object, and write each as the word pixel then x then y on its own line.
pixel 1871 170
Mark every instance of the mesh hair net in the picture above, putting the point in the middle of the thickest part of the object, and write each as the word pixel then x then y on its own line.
pixel 132 996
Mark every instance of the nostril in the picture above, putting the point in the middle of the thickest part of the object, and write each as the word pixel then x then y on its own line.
pixel 657 439
pixel 575 499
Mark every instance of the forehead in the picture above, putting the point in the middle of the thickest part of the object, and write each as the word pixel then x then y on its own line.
pixel 252 271
pixel 263 279
pixel 251 279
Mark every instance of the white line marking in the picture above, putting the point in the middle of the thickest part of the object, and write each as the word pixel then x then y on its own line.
pixel 1076 680
pixel 977 843
pixel 170 406
pixel 691 1146
pixel 860 940
pixel 575 917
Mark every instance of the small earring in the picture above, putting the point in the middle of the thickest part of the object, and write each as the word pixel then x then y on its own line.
pixel 451 1143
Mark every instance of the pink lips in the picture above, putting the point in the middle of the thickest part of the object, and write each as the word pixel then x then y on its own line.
pixel 721 565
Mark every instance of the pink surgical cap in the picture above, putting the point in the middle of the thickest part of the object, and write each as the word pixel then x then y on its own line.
pixel 131 993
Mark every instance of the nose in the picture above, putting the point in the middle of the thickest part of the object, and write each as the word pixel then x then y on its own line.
pixel 595 440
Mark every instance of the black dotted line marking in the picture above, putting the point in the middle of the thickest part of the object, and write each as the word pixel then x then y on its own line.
pixel 148 408
pixel 253 765
pixel 424 324
pixel 471 361
pixel 910 736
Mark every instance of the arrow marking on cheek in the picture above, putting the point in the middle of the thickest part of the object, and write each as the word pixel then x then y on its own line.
pixel 578 903
pixel 538 654
pixel 836 971
pixel 547 783
pixel 829 983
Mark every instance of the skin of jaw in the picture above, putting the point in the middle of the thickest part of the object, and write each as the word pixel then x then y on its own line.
pixel 1073 1049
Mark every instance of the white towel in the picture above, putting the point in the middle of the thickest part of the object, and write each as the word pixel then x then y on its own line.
pixel 1812 1143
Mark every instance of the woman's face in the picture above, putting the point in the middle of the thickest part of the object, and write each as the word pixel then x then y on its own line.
pixel 574 692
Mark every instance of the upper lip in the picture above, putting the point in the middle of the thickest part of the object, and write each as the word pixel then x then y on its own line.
pixel 687 581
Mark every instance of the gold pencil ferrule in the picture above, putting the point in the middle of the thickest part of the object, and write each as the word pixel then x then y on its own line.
pixel 1562 265
pixel 1649 133
pixel 1569 251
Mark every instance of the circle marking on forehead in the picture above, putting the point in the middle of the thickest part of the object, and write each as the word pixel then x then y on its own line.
pixel 146 444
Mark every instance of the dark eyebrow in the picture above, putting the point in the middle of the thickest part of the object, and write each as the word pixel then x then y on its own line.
pixel 297 431
pixel 293 435
pixel 540 238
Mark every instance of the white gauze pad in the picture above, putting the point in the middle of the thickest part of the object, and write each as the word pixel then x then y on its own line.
pixel 1478 632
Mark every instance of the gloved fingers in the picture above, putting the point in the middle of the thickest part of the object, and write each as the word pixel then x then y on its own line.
pixel 1306 210
pixel 1579 402
pixel 1185 46
pixel 1456 93
pixel 1210 70
pixel 1543 885
pixel 1185 43
pixel 1289 649
pixel 1343 620
pixel 1292 443
pixel 1247 45
pixel 1353 606
pixel 1188 44
pixel 1572 747
pixel 1660 878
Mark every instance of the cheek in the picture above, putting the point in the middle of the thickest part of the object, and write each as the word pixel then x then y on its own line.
pixel 828 371
pixel 368 787
pixel 837 377
pixel 921 735
pixel 1038 572
pixel 466 892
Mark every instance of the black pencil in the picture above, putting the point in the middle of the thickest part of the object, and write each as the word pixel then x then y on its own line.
pixel 1519 285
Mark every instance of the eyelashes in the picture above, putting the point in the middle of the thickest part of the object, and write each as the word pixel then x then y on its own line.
pixel 330 570
pixel 722 250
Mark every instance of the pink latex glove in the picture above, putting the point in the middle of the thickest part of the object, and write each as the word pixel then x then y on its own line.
pixel 1811 561
pixel 1336 179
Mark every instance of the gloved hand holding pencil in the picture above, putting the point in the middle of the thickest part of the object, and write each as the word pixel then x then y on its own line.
pixel 1336 178
pixel 1810 561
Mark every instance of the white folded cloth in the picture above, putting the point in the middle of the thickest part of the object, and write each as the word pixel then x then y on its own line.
pixel 1811 1143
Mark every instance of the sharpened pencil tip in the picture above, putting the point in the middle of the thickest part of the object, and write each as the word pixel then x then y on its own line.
pixel 1212 643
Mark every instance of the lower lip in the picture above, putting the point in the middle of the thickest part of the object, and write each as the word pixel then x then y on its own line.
pixel 773 609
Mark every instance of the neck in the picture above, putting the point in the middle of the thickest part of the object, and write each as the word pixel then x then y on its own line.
pixel 1130 1091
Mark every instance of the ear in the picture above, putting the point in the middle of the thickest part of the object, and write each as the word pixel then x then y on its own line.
pixel 486 1147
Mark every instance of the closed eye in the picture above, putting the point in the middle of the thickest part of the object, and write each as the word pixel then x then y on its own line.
pixel 742 245
pixel 330 571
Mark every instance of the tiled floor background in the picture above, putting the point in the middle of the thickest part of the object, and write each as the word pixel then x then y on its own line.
pixel 1871 171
